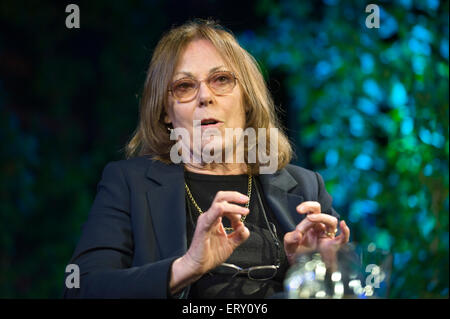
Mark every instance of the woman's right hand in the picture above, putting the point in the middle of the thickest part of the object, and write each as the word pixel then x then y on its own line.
pixel 211 245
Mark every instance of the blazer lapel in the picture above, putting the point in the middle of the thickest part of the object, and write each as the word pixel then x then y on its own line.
pixel 276 189
pixel 167 208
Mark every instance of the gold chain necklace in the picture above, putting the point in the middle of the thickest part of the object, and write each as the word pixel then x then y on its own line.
pixel 249 194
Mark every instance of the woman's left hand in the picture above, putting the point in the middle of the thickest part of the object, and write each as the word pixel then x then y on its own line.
pixel 315 233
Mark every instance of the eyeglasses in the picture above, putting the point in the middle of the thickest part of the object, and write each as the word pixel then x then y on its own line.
pixel 256 272
pixel 185 89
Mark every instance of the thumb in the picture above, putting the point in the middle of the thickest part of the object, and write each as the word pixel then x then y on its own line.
pixel 239 235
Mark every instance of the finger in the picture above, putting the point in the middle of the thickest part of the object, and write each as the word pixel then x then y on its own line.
pixel 292 237
pixel 291 240
pixel 316 225
pixel 233 212
pixel 309 207
pixel 319 228
pixel 208 220
pixel 235 220
pixel 344 237
pixel 322 224
pixel 305 225
pixel 231 196
pixel 329 221
pixel 218 209
pixel 227 208
pixel 239 235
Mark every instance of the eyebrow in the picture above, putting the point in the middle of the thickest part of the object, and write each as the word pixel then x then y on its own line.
pixel 191 75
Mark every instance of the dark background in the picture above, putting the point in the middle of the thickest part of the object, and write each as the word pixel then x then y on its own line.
pixel 367 108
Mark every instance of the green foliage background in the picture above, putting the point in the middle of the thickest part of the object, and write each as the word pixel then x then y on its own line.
pixel 368 108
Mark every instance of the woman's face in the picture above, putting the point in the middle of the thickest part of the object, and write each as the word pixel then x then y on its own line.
pixel 199 60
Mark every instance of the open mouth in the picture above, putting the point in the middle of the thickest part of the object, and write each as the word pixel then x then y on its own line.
pixel 206 122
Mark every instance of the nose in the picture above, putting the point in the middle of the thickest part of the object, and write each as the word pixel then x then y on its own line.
pixel 205 95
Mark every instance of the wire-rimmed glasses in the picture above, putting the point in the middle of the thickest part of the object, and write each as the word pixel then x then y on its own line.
pixel 253 273
pixel 261 273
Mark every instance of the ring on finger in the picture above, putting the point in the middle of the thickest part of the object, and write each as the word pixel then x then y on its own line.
pixel 331 234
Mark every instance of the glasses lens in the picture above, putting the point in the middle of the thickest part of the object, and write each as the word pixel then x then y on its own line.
pixel 227 269
pixel 184 88
pixel 262 273
pixel 222 82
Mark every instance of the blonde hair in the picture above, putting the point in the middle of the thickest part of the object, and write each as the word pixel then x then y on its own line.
pixel 151 137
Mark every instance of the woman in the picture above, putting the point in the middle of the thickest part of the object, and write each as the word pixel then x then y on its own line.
pixel 197 228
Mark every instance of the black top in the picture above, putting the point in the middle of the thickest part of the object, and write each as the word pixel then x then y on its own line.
pixel 259 249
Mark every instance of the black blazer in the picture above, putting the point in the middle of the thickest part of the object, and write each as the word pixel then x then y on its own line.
pixel 137 225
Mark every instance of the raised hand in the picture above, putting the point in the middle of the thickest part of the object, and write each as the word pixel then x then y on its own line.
pixel 211 245
pixel 315 232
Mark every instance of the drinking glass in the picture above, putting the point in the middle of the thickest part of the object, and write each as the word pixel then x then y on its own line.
pixel 354 271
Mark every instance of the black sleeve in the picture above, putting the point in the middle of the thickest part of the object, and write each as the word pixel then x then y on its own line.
pixel 182 294
pixel 104 253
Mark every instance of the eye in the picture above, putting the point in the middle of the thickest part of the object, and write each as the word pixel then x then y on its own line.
pixel 222 78
pixel 184 85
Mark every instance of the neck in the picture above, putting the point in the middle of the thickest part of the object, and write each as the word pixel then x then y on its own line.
pixel 217 169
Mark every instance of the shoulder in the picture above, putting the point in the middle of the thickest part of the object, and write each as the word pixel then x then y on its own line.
pixel 138 170
pixel 140 165
pixel 135 167
pixel 132 164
